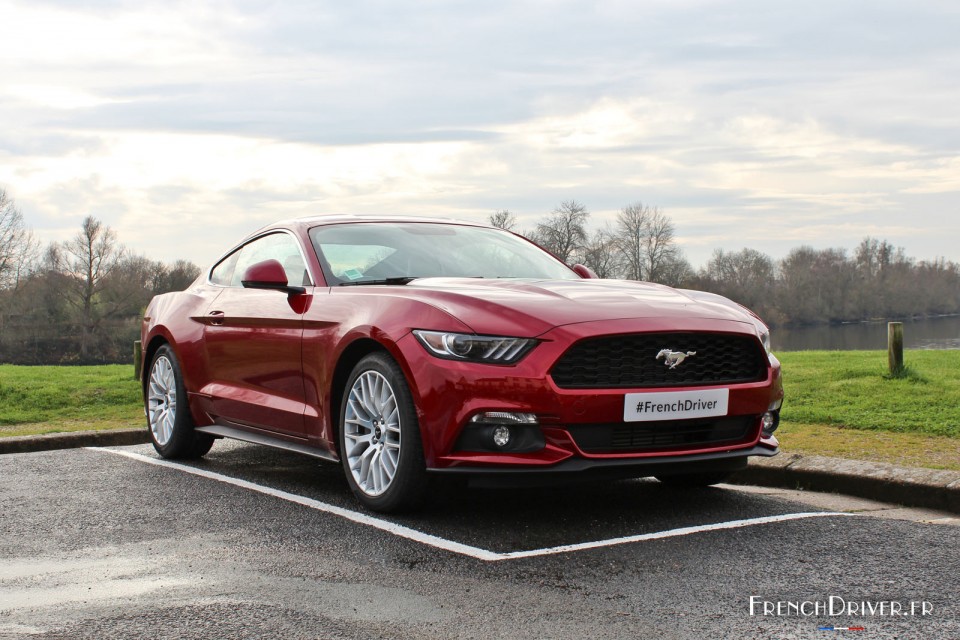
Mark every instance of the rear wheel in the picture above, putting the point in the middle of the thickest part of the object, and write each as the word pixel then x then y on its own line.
pixel 168 414
pixel 694 480
pixel 380 437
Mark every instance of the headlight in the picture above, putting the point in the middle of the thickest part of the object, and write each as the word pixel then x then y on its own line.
pixel 471 348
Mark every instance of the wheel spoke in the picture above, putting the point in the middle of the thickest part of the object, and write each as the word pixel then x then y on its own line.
pixel 364 467
pixel 393 416
pixel 388 461
pixel 356 449
pixel 365 395
pixel 358 408
pixel 385 397
pixel 376 472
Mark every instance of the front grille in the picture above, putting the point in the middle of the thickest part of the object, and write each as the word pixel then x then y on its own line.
pixel 630 360
pixel 653 436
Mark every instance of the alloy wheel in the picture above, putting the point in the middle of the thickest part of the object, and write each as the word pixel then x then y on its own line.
pixel 371 433
pixel 162 400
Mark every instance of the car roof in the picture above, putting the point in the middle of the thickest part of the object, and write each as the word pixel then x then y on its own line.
pixel 308 222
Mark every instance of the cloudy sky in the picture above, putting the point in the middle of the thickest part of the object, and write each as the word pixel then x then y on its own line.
pixel 751 124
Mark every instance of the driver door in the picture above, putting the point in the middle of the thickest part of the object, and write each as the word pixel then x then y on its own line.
pixel 253 341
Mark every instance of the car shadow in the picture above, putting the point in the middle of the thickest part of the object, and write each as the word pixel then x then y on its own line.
pixel 510 518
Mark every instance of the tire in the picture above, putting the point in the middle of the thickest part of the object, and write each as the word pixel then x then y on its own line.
pixel 168 412
pixel 695 480
pixel 379 437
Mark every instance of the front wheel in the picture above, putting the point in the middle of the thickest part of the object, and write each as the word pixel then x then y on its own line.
pixel 380 437
pixel 168 414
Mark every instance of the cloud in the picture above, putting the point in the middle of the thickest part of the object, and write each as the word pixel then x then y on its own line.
pixel 746 122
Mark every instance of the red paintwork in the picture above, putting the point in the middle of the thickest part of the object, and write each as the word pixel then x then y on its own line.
pixel 265 360
pixel 266 272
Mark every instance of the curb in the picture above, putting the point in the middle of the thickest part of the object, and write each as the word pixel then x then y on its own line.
pixel 74 439
pixel 910 487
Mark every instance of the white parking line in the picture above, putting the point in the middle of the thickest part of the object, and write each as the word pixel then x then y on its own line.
pixel 449 545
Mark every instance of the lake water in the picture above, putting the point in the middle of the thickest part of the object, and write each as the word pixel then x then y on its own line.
pixel 932 333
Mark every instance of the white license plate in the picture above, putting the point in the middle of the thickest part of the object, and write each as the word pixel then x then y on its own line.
pixel 675 405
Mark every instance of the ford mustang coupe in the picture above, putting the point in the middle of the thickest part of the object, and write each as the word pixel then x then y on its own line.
pixel 411 348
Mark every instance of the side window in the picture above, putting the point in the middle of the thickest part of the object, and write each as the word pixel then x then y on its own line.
pixel 276 246
pixel 222 274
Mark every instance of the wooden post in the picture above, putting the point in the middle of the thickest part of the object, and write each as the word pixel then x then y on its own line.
pixel 137 358
pixel 895 347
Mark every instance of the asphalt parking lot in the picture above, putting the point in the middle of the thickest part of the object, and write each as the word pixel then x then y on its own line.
pixel 252 542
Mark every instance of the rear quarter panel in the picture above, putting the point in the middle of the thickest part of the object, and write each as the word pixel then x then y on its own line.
pixel 177 319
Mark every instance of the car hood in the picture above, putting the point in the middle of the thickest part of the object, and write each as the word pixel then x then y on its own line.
pixel 531 307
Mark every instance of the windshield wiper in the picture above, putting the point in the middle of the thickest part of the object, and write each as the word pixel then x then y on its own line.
pixel 395 280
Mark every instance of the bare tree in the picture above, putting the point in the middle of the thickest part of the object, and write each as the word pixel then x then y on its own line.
pixel 600 254
pixel 875 257
pixel 87 260
pixel 564 233
pixel 677 272
pixel 878 264
pixel 632 224
pixel 659 247
pixel 128 287
pixel 747 276
pixel 939 281
pixel 179 276
pixel 645 239
pixel 17 245
pixel 745 270
pixel 817 286
pixel 800 291
pixel 503 219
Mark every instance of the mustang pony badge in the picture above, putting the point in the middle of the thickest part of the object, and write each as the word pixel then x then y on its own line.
pixel 674 358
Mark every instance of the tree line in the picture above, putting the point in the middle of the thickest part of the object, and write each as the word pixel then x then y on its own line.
pixel 808 286
pixel 78 301
pixel 81 301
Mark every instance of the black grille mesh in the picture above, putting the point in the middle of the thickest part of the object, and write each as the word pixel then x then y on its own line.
pixel 631 361
pixel 646 436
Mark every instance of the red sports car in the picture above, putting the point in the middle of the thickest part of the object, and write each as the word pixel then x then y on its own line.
pixel 410 348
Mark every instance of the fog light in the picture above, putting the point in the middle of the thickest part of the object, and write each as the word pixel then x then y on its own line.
pixel 501 436
pixel 501 432
pixel 769 422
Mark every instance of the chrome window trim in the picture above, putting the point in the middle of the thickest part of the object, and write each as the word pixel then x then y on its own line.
pixel 239 247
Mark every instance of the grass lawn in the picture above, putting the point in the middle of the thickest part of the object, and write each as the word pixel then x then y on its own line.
pixel 37 400
pixel 901 449
pixel 838 403
pixel 843 403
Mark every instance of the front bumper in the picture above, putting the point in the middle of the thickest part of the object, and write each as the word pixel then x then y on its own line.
pixel 733 460
pixel 448 393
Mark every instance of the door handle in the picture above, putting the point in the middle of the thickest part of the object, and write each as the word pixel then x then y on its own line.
pixel 216 317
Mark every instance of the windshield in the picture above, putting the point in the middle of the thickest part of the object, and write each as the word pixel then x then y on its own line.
pixel 364 251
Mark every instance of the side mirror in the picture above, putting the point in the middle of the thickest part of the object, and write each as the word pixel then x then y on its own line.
pixel 585 272
pixel 268 274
